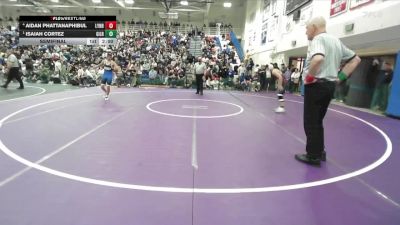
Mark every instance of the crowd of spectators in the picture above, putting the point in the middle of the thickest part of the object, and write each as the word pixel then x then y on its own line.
pixel 141 55
pixel 158 54
pixel 159 57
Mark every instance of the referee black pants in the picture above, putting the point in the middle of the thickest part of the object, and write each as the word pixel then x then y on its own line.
pixel 199 83
pixel 263 83
pixel 14 73
pixel 317 97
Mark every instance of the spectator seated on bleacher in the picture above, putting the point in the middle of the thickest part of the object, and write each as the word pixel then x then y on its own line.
pixel 255 82
pixel 246 82
pixel 172 78
pixel 212 82
pixel 153 74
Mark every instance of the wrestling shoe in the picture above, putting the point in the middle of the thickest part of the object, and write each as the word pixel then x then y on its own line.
pixel 280 110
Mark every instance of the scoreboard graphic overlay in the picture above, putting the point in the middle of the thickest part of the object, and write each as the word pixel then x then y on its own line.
pixel 67 30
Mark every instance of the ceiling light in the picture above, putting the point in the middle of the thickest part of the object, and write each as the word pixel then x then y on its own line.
pixel 13 0
pixel 96 1
pixel 168 15
pixel 55 1
pixel 129 1
pixel 120 3
pixel 227 4
pixel 184 3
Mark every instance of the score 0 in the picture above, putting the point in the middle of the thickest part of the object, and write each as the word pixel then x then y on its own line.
pixel 110 33
pixel 111 25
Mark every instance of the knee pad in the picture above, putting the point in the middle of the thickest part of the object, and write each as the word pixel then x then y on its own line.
pixel 280 97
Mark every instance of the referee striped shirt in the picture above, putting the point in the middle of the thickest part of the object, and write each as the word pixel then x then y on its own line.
pixel 12 61
pixel 199 68
pixel 334 52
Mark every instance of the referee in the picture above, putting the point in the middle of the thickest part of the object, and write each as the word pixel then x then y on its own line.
pixel 13 70
pixel 324 57
pixel 199 69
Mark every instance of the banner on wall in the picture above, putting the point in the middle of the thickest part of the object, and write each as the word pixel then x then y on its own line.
pixel 358 3
pixel 272 29
pixel 251 33
pixel 264 32
pixel 252 38
pixel 292 5
pixel 249 42
pixel 289 24
pixel 274 4
pixel 306 15
pixel 265 10
pixel 338 7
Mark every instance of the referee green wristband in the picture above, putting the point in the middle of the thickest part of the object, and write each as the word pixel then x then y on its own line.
pixel 342 76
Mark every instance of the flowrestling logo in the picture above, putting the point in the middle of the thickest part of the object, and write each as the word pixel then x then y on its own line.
pixel 65 18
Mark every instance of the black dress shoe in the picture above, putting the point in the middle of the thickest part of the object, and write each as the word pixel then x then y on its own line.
pixel 3 86
pixel 323 156
pixel 20 88
pixel 304 158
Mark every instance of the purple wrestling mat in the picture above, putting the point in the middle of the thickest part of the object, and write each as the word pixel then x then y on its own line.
pixel 170 157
